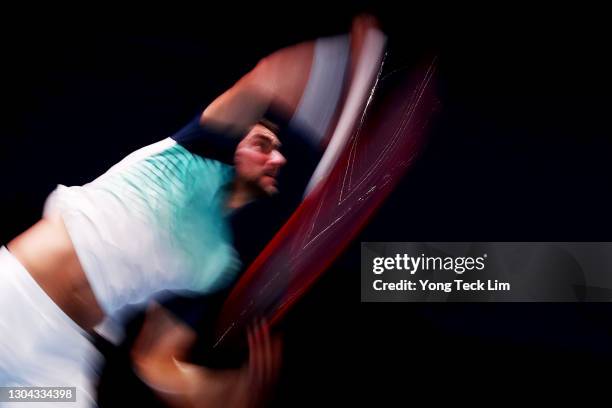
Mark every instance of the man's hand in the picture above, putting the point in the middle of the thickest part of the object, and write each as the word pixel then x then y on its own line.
pixel 159 357
pixel 248 387
pixel 259 377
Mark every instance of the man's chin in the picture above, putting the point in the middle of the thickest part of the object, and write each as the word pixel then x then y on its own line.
pixel 269 186
pixel 270 190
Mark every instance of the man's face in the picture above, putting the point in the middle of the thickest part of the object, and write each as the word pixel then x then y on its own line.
pixel 258 161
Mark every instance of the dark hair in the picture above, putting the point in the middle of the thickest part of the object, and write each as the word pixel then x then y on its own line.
pixel 272 126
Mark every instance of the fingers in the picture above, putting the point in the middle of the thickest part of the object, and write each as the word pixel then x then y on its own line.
pixel 256 360
pixel 265 355
pixel 266 350
pixel 364 21
pixel 276 349
pixel 272 346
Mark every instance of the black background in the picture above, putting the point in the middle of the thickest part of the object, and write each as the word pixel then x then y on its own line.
pixel 520 152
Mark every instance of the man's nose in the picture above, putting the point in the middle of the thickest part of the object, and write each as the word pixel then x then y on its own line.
pixel 277 158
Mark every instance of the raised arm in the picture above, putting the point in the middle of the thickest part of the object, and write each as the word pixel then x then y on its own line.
pixel 277 81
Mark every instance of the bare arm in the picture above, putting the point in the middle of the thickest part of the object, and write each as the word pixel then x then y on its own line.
pixel 159 357
pixel 277 80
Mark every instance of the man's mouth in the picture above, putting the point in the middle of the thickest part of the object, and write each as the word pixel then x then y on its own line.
pixel 271 178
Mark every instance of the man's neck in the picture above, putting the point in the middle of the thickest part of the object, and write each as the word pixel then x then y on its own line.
pixel 239 196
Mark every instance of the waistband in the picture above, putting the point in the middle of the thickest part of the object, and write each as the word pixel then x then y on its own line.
pixel 25 283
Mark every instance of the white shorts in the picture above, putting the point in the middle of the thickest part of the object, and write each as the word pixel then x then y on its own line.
pixel 39 344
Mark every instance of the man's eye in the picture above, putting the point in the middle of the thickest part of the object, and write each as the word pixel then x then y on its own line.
pixel 262 147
